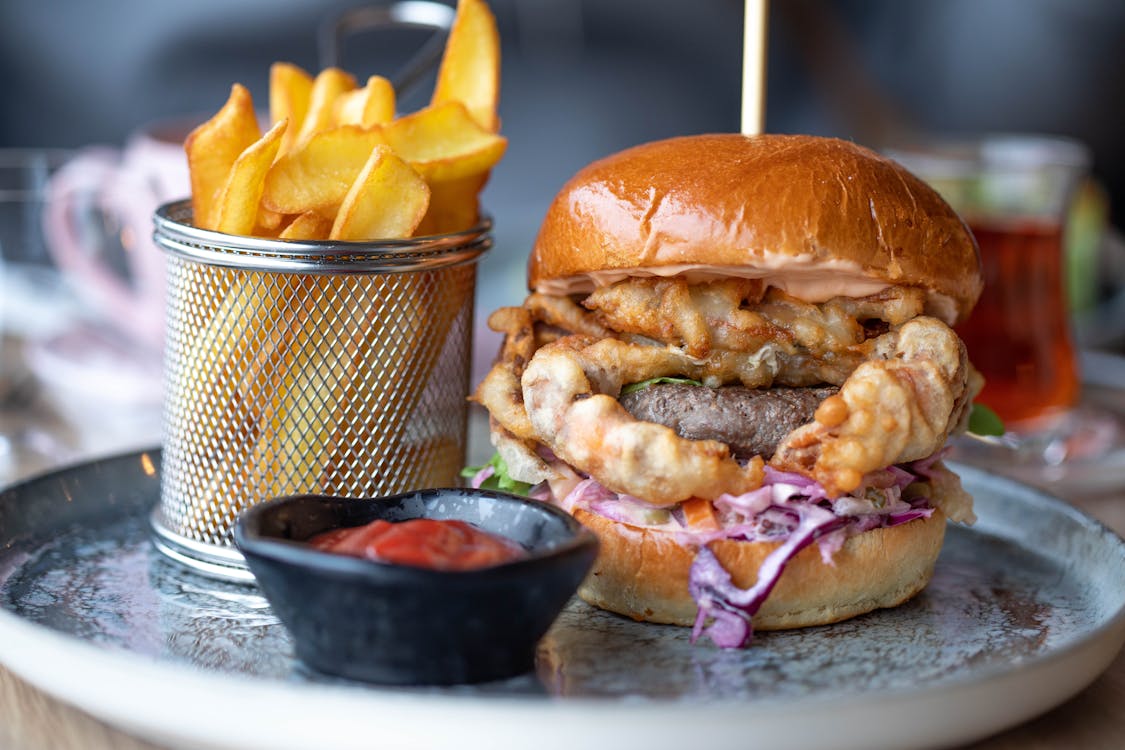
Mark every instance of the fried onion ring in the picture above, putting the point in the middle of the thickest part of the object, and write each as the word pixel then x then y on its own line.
pixel 734 315
pixel 570 389
pixel 500 391
pixel 899 406
pixel 903 391
pixel 565 313
pixel 523 463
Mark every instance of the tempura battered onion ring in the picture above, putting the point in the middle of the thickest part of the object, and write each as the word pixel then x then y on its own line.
pixel 569 390
pixel 899 406
pixel 500 391
pixel 565 313
pixel 909 390
pixel 523 463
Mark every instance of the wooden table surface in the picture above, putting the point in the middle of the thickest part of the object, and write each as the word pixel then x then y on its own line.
pixel 1095 719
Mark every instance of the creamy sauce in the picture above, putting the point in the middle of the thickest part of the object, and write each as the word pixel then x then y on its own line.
pixel 800 276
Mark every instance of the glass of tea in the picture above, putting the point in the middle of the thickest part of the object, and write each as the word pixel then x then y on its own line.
pixel 1015 192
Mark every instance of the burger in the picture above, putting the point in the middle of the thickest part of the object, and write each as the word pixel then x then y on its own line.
pixel 736 367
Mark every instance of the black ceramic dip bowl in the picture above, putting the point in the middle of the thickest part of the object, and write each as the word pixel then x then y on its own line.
pixel 403 625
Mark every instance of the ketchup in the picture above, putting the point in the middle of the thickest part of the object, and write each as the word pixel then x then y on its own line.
pixel 422 543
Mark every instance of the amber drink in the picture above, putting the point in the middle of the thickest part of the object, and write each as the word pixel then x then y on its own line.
pixel 1014 192
pixel 1018 335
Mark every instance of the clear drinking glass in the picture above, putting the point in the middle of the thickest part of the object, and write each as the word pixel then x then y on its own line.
pixel 1015 193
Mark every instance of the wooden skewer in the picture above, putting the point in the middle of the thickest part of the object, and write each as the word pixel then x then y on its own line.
pixel 755 22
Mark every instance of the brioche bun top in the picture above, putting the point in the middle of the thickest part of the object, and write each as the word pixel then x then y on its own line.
pixel 816 217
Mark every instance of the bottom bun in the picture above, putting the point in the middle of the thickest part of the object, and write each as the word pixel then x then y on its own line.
pixel 644 574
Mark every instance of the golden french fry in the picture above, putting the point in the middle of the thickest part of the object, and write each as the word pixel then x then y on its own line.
pixel 229 484
pixel 387 201
pixel 290 90
pixel 343 169
pixel 327 87
pixel 318 173
pixel 269 221
pixel 405 348
pixel 308 226
pixel 470 67
pixel 454 205
pixel 461 167
pixel 372 105
pixel 444 143
pixel 229 362
pixel 212 149
pixel 348 107
pixel 379 109
pixel 301 416
pixel 237 211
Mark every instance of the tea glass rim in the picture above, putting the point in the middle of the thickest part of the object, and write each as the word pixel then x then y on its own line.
pixel 965 156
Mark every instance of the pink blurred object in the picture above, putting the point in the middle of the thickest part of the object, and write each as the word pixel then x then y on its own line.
pixel 98 225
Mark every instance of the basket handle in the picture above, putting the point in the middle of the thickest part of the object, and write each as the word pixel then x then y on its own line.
pixel 408 14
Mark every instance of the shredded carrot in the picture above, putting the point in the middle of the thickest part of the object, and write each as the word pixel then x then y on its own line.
pixel 700 513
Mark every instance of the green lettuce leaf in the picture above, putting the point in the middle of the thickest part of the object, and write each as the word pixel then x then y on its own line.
pixel 500 480
pixel 985 422
pixel 633 387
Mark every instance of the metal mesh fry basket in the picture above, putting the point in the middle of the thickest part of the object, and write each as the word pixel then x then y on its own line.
pixel 306 367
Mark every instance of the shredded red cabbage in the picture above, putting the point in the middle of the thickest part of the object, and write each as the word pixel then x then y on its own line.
pixel 788 508
pixel 903 478
pixel 861 524
pixel 621 508
pixel 894 519
pixel 478 478
pixel 830 543
pixel 924 467
pixel 731 608
pixel 584 494
pixel 748 504
pixel 776 476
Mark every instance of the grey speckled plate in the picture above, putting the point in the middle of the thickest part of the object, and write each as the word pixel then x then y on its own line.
pixel 1025 609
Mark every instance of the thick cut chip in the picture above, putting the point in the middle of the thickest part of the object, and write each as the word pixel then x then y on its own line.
pixel 290 90
pixel 372 105
pixel 212 149
pixel 269 222
pixel 237 211
pixel 348 109
pixel 444 143
pixel 454 205
pixel 328 86
pixel 470 67
pixel 318 173
pixel 308 226
pixel 379 108
pixel 387 201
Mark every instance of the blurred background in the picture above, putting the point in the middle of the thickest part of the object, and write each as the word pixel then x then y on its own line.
pixel 582 79
pixel 585 78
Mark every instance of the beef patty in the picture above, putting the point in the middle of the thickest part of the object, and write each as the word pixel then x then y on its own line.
pixel 752 421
